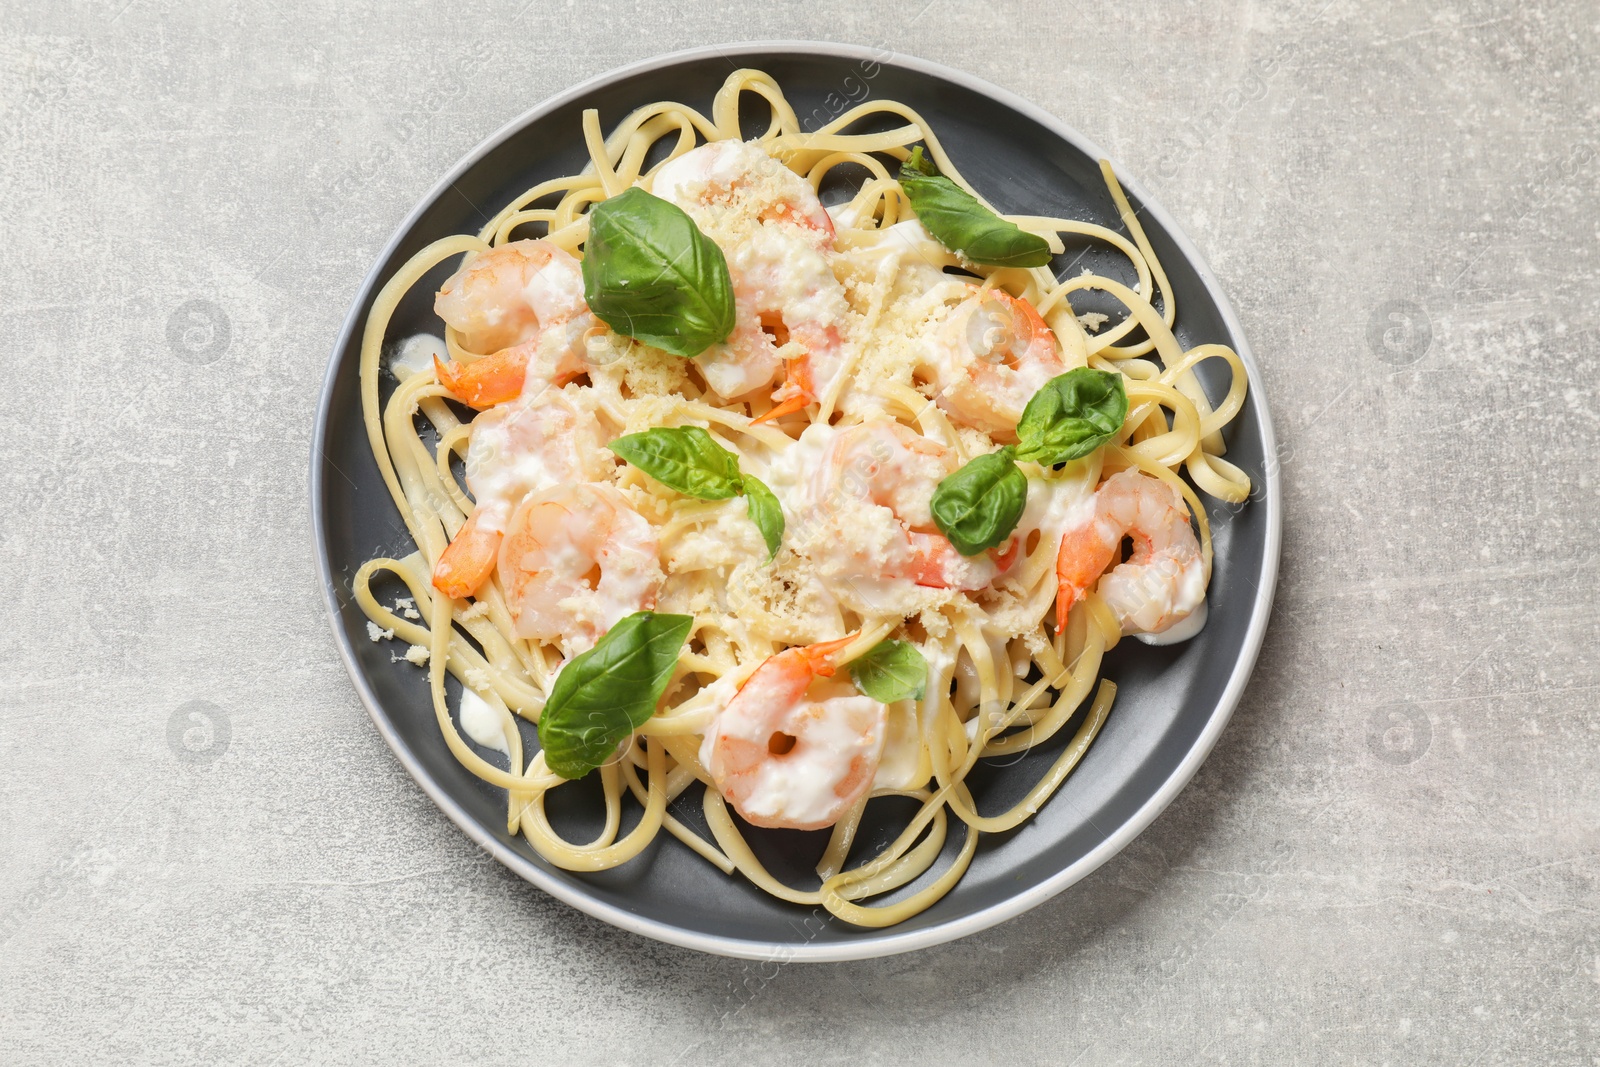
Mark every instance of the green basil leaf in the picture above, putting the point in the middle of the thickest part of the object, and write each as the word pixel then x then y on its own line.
pixel 891 671
pixel 685 458
pixel 649 273
pixel 960 221
pixel 1071 416
pixel 688 459
pixel 979 505
pixel 610 691
pixel 765 511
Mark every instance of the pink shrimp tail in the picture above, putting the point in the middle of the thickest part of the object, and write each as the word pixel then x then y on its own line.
pixel 798 388
pixel 489 381
pixel 467 560
pixel 1080 561
pixel 819 657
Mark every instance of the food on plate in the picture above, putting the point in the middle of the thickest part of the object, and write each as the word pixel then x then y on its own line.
pixel 796 505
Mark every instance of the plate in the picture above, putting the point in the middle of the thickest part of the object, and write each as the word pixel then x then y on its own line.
pixel 1172 702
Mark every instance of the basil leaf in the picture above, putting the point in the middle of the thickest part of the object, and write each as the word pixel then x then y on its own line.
pixel 891 671
pixel 765 511
pixel 649 273
pixel 1071 416
pixel 979 505
pixel 685 458
pixel 960 221
pixel 688 459
pixel 610 691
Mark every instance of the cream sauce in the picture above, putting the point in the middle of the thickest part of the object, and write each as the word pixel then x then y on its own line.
pixel 1182 630
pixel 525 446
pixel 416 354
pixel 481 721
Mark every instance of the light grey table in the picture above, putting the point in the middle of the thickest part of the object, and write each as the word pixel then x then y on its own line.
pixel 1392 855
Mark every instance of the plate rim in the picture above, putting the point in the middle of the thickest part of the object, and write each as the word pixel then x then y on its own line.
pixel 877 943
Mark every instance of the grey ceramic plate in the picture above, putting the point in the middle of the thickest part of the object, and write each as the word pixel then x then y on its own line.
pixel 1172 702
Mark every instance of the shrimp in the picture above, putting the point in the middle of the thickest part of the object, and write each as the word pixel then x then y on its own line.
pixel 990 357
pixel 576 558
pixel 523 304
pixel 515 449
pixel 866 520
pixel 777 237
pixel 794 748
pixel 1161 583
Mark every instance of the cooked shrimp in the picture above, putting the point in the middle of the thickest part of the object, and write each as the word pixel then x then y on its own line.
pixel 776 236
pixel 1161 583
pixel 793 748
pixel 728 171
pixel 576 558
pixel 808 374
pixel 865 517
pixel 508 294
pixel 523 304
pixel 486 382
pixel 515 449
pixel 989 358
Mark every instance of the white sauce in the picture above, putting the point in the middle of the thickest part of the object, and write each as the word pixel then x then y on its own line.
pixel 852 542
pixel 789 468
pixel 901 765
pixel 908 239
pixel 1181 630
pixel 1056 504
pixel 522 448
pixel 780 269
pixel 555 601
pixel 481 722
pixel 555 292
pixel 415 355
pixel 721 165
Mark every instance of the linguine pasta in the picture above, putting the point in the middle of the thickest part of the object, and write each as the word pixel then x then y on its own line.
pixel 1003 675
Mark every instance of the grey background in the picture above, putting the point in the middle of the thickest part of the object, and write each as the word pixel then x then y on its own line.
pixel 1392 856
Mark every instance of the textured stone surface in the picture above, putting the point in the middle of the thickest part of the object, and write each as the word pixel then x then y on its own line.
pixel 1392 856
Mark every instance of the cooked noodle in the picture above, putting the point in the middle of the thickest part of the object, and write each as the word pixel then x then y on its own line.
pixel 997 687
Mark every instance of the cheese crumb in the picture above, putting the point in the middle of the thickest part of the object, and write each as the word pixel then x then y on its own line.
pixel 649 371
pixel 376 634
pixel 1093 320
pixel 407 607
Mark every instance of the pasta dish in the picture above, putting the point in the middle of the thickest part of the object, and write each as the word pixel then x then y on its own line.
pixel 778 508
